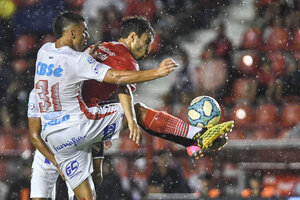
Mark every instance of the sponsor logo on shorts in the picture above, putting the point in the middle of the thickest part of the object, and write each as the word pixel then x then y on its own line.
pixel 72 168
pixel 109 131
pixel 47 161
pixel 91 60
pixel 74 141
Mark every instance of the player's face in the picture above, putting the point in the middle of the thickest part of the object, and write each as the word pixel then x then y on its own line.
pixel 141 46
pixel 81 36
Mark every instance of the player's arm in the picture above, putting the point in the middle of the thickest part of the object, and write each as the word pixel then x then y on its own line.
pixel 35 138
pixel 35 127
pixel 126 100
pixel 97 173
pixel 34 130
pixel 98 156
pixel 127 77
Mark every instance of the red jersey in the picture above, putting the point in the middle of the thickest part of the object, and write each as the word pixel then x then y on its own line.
pixel 117 56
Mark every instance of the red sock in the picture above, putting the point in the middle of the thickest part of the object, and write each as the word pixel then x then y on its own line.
pixel 161 122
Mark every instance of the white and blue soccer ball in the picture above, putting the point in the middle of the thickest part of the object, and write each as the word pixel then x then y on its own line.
pixel 204 110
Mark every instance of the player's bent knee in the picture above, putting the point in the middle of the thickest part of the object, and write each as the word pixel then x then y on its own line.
pixel 140 110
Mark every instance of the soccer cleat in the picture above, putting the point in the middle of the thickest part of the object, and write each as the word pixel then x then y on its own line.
pixel 194 151
pixel 219 143
pixel 209 134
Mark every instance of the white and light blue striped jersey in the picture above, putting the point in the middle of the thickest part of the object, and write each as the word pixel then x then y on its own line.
pixel 33 111
pixel 59 74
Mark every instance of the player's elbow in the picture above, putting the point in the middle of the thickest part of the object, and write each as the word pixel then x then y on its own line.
pixel 34 138
pixel 116 77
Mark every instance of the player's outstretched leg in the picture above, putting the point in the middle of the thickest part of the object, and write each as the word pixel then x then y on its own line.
pixel 163 123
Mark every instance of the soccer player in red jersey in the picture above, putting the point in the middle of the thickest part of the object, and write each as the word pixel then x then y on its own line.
pixel 134 44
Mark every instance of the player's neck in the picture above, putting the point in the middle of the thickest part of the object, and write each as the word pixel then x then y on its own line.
pixel 124 41
pixel 62 43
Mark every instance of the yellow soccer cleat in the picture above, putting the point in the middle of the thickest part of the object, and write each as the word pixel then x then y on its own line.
pixel 210 133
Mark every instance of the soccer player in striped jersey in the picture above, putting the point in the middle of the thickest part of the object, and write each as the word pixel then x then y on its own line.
pixel 44 173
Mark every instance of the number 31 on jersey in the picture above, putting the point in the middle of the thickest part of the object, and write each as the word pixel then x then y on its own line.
pixel 44 96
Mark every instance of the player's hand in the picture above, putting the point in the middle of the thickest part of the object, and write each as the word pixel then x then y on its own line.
pixel 166 67
pixel 107 144
pixel 135 133
pixel 93 51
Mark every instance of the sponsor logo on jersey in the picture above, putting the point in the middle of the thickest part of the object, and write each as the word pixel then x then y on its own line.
pixel 91 60
pixel 109 131
pixel 31 106
pixel 44 69
pixel 72 168
pixel 51 115
pixel 97 68
pixel 56 121
pixel 106 50
pixel 74 141
pixel 102 56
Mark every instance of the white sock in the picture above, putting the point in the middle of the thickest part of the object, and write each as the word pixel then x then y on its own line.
pixel 193 130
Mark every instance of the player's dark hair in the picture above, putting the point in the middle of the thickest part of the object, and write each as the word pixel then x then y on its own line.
pixel 136 24
pixel 64 20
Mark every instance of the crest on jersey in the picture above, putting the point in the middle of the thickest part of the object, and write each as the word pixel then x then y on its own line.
pixel 31 106
pixel 91 60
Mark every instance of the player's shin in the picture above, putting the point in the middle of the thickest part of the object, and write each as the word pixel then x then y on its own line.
pixel 164 123
pixel 173 138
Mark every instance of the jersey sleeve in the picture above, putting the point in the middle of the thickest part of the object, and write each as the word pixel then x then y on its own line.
pixel 33 111
pixel 89 68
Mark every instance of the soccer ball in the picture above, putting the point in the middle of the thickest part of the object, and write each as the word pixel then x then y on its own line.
pixel 204 110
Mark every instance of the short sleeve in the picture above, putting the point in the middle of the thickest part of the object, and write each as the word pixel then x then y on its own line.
pixel 89 68
pixel 33 111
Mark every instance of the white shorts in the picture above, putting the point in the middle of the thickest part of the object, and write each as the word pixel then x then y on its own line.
pixel 71 146
pixel 43 177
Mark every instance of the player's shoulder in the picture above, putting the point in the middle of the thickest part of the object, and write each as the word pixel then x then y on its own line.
pixel 118 46
pixel 113 44
pixel 113 48
pixel 47 47
pixel 63 51
pixel 32 93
